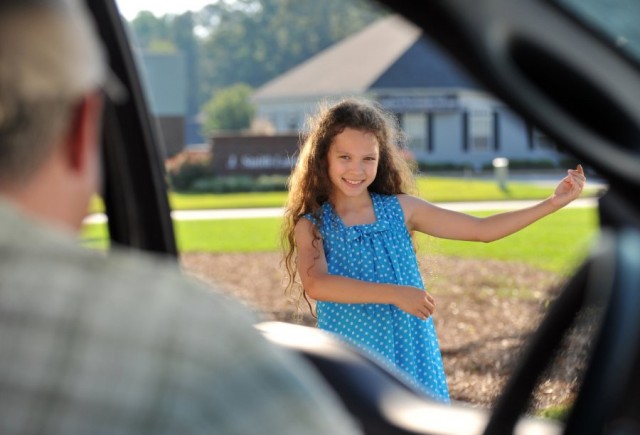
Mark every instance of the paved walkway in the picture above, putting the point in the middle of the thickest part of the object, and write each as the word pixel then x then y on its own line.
pixel 250 213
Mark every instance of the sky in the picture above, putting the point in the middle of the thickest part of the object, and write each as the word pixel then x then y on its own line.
pixel 130 8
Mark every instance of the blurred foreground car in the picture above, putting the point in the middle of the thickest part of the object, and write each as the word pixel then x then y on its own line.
pixel 569 67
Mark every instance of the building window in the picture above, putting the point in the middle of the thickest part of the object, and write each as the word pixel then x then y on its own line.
pixel 415 128
pixel 480 131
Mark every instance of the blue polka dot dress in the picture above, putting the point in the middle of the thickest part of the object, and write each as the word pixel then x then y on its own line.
pixel 381 252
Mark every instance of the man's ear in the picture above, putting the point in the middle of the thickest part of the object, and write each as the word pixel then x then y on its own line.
pixel 84 131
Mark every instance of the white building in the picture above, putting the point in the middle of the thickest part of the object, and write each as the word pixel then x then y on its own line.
pixel 447 117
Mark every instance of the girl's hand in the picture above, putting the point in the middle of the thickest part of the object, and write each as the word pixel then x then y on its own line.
pixel 569 188
pixel 415 301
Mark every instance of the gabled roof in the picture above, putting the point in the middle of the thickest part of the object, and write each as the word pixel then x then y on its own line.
pixel 390 53
pixel 424 65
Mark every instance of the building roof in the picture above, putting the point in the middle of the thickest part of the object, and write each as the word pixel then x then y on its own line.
pixel 424 65
pixel 390 53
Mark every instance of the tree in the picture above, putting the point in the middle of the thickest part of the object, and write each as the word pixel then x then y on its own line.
pixel 229 109
pixel 249 41
pixel 151 31
pixel 253 41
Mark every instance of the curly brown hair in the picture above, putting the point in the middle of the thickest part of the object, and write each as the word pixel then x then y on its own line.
pixel 309 183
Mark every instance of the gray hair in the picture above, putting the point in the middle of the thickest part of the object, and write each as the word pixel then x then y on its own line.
pixel 50 56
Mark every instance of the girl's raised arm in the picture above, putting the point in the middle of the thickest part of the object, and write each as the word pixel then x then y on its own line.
pixel 430 219
pixel 320 285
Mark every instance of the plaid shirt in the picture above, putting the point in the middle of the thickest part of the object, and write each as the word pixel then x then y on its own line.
pixel 123 344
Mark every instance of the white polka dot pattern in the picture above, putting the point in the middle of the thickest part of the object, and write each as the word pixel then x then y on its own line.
pixel 381 252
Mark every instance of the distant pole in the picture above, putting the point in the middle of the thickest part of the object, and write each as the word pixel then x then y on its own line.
pixel 501 172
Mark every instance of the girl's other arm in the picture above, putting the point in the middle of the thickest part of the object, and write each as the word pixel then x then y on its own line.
pixel 320 285
pixel 433 220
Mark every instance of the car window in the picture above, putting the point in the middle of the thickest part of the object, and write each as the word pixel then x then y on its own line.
pixel 617 20
pixel 190 62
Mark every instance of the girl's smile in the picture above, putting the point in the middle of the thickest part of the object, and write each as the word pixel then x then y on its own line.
pixel 353 162
pixel 354 182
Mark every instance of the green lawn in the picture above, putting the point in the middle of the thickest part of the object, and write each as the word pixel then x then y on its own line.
pixel 206 201
pixel 186 201
pixel 440 189
pixel 225 235
pixel 556 243
pixel 95 236
pixel 228 235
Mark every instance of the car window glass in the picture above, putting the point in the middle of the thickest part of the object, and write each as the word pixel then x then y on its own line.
pixel 616 19
pixel 205 69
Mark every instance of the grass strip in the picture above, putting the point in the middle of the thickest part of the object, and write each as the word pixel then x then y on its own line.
pixel 556 243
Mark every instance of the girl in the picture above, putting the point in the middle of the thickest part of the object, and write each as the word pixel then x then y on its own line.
pixel 348 226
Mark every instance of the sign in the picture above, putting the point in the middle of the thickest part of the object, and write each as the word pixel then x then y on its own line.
pixel 254 155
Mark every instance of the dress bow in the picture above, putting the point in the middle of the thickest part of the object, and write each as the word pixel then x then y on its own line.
pixel 358 231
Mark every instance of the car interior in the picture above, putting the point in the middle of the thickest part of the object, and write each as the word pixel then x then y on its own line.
pixel 556 69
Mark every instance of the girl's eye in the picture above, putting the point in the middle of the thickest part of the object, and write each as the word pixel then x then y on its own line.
pixel 344 157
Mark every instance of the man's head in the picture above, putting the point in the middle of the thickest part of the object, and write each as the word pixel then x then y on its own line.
pixel 51 66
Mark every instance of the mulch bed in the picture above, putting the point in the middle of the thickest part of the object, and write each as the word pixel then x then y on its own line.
pixel 486 311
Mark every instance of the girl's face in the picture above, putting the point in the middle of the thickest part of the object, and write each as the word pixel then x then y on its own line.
pixel 353 162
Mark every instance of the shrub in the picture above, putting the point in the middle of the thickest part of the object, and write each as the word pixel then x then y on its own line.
pixel 236 184
pixel 187 167
pixel 222 185
pixel 525 164
pixel 532 164
pixel 434 167
pixel 271 183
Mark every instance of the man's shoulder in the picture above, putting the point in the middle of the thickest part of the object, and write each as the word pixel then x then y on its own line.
pixel 121 282
pixel 134 328
pixel 122 296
